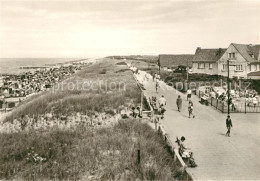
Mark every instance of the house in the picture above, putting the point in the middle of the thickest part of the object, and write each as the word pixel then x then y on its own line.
pixel 173 61
pixel 205 61
pixel 243 59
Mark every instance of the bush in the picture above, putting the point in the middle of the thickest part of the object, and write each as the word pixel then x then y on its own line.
pixel 121 63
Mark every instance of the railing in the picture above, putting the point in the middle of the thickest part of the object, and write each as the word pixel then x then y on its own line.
pixel 236 107
pixel 174 150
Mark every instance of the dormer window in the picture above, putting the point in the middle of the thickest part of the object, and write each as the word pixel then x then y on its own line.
pixel 231 55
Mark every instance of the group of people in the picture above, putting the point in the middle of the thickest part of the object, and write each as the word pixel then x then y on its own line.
pixel 162 104
pixel 190 105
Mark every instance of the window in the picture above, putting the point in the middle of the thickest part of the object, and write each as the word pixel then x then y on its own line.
pixel 224 66
pixel 210 65
pixel 231 55
pixel 239 67
pixel 201 65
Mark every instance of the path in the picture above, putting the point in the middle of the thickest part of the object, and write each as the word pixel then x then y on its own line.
pixel 218 157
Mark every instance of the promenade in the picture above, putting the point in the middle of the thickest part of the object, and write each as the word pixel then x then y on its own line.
pixel 218 157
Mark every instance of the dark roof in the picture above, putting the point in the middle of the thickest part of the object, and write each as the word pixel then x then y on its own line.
pixel 254 73
pixel 175 60
pixel 248 50
pixel 208 55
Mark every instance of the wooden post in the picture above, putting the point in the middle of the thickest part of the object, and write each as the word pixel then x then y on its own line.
pixel 138 156
pixel 217 104
pixel 245 107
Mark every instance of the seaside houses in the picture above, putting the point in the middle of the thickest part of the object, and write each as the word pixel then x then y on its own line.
pixel 244 59
pixel 167 61
pixel 205 61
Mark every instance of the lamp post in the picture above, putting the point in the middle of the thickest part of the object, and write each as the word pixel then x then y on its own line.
pixel 228 87
pixel 228 81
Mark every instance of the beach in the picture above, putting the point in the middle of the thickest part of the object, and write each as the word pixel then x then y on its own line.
pixel 12 65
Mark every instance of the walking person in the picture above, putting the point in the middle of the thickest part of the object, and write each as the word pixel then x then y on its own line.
pixel 162 103
pixel 179 103
pixel 188 94
pixel 158 76
pixel 190 109
pixel 229 125
pixel 156 86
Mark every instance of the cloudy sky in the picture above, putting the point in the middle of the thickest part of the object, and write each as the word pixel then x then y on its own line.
pixel 67 28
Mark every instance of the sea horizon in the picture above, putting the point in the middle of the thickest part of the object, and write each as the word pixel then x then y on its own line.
pixel 12 65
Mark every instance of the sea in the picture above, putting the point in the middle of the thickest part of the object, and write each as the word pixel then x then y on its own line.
pixel 12 65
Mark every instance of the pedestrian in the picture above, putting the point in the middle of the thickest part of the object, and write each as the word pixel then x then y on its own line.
pixel 190 109
pixel 158 76
pixel 188 94
pixel 157 86
pixel 229 125
pixel 179 103
pixel 162 103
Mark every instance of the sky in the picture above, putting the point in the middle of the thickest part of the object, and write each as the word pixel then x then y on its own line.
pixel 91 28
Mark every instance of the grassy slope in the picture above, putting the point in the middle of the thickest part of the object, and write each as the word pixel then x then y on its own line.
pixel 106 153
pixel 102 78
pixel 85 152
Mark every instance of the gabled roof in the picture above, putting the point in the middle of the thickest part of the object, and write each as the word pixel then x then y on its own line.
pixel 247 51
pixel 208 55
pixel 175 60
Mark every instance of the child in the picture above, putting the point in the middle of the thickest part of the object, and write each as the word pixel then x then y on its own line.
pixel 190 109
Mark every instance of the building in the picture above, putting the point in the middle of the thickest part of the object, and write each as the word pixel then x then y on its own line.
pixel 205 61
pixel 243 58
pixel 173 61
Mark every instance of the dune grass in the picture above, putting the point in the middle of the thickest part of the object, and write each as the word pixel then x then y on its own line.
pixel 84 153
pixel 100 87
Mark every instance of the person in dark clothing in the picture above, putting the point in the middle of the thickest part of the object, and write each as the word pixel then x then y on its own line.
pixel 179 103
pixel 229 125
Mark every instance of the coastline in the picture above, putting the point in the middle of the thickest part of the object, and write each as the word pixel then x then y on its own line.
pixel 82 62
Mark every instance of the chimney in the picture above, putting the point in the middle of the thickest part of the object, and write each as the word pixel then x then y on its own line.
pixel 198 49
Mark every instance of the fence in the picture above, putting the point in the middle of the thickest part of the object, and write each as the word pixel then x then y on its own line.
pixel 176 156
pixel 236 107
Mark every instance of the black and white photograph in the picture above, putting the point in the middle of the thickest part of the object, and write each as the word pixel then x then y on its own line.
pixel 165 90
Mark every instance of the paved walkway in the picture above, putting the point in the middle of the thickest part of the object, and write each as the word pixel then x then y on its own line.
pixel 218 157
